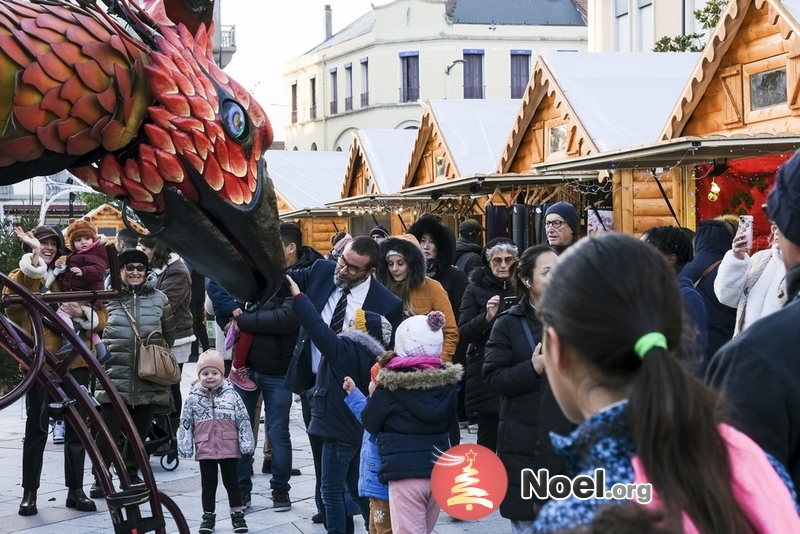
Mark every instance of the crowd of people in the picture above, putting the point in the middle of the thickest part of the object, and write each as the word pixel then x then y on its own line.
pixel 571 355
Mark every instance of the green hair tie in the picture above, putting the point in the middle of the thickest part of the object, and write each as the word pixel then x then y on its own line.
pixel 648 342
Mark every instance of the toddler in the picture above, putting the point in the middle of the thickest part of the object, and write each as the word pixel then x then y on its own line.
pixel 410 412
pixel 216 428
pixel 85 270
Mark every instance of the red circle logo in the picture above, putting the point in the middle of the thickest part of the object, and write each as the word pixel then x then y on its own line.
pixel 469 481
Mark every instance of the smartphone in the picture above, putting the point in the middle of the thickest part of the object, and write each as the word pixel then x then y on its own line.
pixel 508 302
pixel 746 228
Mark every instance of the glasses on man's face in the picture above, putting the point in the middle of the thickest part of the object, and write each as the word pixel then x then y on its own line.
pixel 351 269
pixel 555 224
pixel 138 267
pixel 499 261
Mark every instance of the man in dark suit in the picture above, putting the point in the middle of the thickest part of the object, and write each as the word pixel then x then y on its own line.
pixel 325 283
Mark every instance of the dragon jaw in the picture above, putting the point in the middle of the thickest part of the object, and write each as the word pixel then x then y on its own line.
pixel 197 176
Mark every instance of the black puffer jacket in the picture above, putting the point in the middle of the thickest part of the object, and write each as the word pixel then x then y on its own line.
pixel 526 420
pixel 474 328
pixel 152 313
pixel 453 280
pixel 468 255
pixel 275 329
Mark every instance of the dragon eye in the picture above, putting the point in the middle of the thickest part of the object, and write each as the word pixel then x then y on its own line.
pixel 235 119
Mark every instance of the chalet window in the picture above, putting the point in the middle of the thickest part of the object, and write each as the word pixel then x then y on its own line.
pixel 364 82
pixel 334 91
pixel 409 65
pixel 557 137
pixel 768 88
pixel 348 87
pixel 473 73
pixel 294 102
pixel 520 72
pixel 622 24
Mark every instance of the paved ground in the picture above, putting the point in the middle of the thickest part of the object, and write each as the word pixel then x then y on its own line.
pixel 183 485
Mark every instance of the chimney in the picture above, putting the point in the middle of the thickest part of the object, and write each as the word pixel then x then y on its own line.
pixel 328 22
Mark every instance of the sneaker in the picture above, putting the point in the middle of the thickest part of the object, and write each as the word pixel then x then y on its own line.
pixel 281 501
pixel 238 522
pixel 318 518
pixel 463 423
pixel 246 501
pixel 473 428
pixel 241 379
pixel 208 523
pixel 59 430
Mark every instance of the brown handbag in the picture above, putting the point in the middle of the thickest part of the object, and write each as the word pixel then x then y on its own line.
pixel 157 364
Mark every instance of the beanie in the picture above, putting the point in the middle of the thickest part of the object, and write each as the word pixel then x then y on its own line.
pixel 380 231
pixel 342 242
pixel 470 226
pixel 132 255
pixel 80 228
pixel 420 335
pixel 211 358
pixel 568 213
pixel 374 324
pixel 783 202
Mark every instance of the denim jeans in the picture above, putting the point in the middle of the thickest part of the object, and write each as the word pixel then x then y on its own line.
pixel 340 463
pixel 277 402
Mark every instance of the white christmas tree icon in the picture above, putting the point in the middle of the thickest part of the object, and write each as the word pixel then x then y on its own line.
pixel 465 490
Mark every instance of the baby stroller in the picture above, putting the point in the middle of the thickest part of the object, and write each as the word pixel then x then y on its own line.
pixel 161 441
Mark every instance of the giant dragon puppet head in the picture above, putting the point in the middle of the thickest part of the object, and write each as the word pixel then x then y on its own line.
pixel 131 101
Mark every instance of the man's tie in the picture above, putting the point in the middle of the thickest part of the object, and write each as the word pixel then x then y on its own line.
pixel 337 321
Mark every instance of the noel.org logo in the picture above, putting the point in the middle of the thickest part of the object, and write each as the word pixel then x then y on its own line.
pixel 469 481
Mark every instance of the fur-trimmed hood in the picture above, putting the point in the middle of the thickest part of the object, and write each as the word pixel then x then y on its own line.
pixel 413 256
pixel 369 343
pixel 449 374
pixel 443 237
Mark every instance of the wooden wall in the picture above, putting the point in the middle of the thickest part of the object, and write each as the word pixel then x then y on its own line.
pixel 639 204
pixel 317 231
pixel 724 107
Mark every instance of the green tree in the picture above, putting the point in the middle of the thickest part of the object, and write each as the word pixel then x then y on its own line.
pixel 708 17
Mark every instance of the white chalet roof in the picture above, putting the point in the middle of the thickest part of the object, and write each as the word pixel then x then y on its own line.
pixel 622 99
pixel 360 26
pixel 476 131
pixel 387 153
pixel 307 179
pixel 793 7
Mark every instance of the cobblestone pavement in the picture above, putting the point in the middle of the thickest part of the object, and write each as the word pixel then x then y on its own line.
pixel 182 485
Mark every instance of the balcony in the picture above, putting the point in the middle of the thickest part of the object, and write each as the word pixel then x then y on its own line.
pixel 409 94
pixel 224 45
pixel 348 103
pixel 365 99
pixel 312 112
pixel 473 91
pixel 334 107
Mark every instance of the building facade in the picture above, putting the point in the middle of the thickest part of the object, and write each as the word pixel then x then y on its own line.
pixel 636 25
pixel 372 74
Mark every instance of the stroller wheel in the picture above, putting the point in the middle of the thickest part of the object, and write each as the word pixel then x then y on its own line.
pixel 170 461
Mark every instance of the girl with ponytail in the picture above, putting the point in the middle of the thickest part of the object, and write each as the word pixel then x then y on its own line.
pixel 613 321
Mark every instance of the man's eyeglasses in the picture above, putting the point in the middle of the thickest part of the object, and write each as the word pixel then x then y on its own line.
pixel 130 267
pixel 351 269
pixel 555 224
pixel 508 261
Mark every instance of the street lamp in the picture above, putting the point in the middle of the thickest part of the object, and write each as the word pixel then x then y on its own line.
pixel 453 64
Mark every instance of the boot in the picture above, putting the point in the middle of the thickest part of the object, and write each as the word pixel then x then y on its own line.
pixel 77 499
pixel 28 504
pixel 208 523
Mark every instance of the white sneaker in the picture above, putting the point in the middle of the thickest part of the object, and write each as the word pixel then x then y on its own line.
pixel 58 432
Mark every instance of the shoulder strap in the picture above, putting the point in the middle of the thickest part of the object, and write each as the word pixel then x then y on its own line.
pixel 132 321
pixel 706 272
pixel 527 330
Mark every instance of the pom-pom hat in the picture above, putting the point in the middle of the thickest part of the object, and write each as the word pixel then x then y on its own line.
pixel 420 335
pixel 374 324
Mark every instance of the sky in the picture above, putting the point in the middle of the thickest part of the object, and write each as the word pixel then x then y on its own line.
pixel 270 33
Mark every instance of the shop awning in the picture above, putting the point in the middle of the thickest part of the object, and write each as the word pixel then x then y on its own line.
pixel 678 152
pixel 483 184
